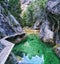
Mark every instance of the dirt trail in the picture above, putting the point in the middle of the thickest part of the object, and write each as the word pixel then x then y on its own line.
pixel 30 31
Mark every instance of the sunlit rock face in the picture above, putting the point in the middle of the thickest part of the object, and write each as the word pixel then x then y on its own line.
pixel 25 1
pixel 51 30
pixel 53 15
pixel 1 47
pixel 54 6
pixel 8 24
pixel 45 33
pixel 24 5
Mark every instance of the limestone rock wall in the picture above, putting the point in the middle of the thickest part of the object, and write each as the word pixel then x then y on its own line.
pixel 8 24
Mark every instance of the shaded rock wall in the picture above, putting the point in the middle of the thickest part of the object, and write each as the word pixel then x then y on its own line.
pixel 8 24
pixel 52 16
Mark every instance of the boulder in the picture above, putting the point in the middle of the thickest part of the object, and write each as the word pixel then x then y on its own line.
pixel 37 25
pixel 45 33
pixel 57 50
pixel 53 6
pixel 51 28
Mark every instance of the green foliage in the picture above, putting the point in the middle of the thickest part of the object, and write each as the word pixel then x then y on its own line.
pixel 34 12
pixel 28 16
pixel 1 1
pixel 33 46
pixel 15 8
pixel 24 20
pixel 41 3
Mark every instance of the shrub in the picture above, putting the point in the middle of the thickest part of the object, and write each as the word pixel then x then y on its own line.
pixel 34 12
pixel 15 8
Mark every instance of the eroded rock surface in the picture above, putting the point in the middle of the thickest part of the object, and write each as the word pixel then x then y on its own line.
pixel 52 14
pixel 54 6
pixel 8 24
pixel 45 33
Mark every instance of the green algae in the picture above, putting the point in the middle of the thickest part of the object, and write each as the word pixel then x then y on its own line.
pixel 33 46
